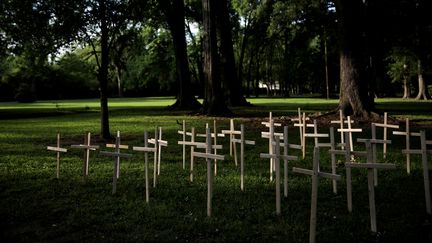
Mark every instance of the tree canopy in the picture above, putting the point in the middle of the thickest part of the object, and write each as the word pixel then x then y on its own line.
pixel 352 49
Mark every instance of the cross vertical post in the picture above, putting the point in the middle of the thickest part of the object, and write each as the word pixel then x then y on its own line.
pixel 424 153
pixel 116 154
pixel 87 147
pixel 146 150
pixel 242 142
pixel 315 173
pixel 59 150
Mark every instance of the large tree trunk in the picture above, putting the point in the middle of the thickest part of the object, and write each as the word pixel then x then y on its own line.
pixel 174 11
pixel 214 104
pixel 232 81
pixel 354 98
pixel 103 72
pixel 422 89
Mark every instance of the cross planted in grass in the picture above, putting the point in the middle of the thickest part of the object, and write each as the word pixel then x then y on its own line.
pixel 59 150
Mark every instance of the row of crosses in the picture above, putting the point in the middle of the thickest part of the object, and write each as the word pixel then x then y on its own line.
pixel 276 141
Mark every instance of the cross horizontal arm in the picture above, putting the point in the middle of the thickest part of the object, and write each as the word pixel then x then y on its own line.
pixel 203 135
pixel 143 149
pixel 121 146
pixel 267 124
pixel 160 142
pixel 267 134
pixel 115 154
pixel 338 122
pixel 414 134
pixel 415 151
pixel 371 165
pixel 57 149
pixel 386 125
pixel 373 141
pixel 208 156
pixel 294 146
pixel 231 132
pixel 331 151
pixel 82 146
pixel 324 145
pixel 287 157
pixel 316 135
pixel 189 143
pixel 320 174
pixel 349 130
pixel 248 142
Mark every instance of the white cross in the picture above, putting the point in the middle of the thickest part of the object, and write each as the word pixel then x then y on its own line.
pixel 194 144
pixel 232 132
pixel 214 135
pixel 330 145
pixel 315 173
pixel 300 124
pixel 117 155
pixel 276 155
pixel 59 150
pixel 424 153
pixel 341 122
pixel 407 135
pixel 209 157
pixel 349 131
pixel 384 126
pixel 159 143
pixel 242 143
pixel 183 133
pixel 374 141
pixel 146 150
pixel 270 135
pixel 370 165
pixel 87 147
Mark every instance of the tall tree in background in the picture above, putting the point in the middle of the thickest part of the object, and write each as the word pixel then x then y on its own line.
pixel 354 97
pixel 174 11
pixel 214 103
pixel 232 81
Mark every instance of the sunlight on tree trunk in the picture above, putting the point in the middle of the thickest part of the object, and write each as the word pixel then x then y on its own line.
pixel 422 89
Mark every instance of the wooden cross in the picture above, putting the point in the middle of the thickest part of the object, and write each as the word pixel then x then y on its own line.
pixel 242 143
pixel 276 155
pixel 316 174
pixel 87 147
pixel 270 135
pixel 214 135
pixel 370 165
pixel 59 150
pixel 384 126
pixel 209 157
pixel 190 143
pixel 183 133
pixel 341 121
pixel 374 142
pixel 424 153
pixel 349 131
pixel 330 145
pixel 117 155
pixel 232 132
pixel 146 150
pixel 159 143
pixel 407 135
pixel 194 144
pixel 300 124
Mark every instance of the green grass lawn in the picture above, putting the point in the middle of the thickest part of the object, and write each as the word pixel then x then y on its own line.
pixel 35 206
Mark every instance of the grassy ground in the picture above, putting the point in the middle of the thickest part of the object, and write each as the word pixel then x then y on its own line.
pixel 34 206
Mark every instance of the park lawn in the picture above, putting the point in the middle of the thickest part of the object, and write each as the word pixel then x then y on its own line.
pixel 34 206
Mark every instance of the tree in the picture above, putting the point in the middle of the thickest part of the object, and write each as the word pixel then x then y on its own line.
pixel 232 81
pixel 175 16
pixel 354 96
pixel 214 104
